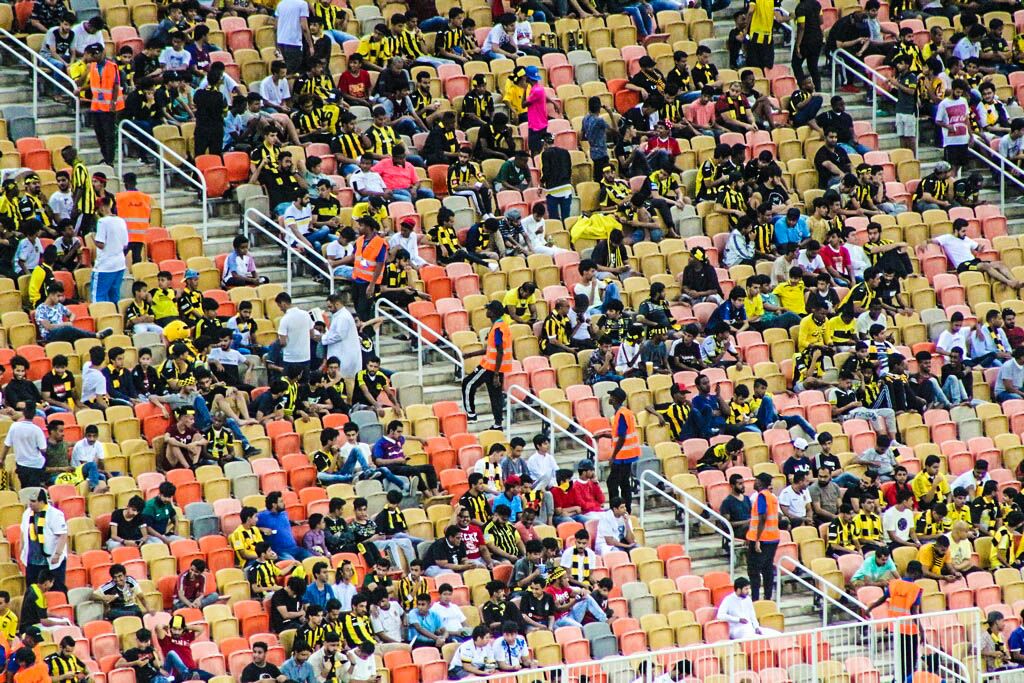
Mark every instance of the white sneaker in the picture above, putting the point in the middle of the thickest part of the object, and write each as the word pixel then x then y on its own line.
pixel 493 266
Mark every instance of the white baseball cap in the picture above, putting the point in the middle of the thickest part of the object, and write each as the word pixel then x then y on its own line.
pixel 800 444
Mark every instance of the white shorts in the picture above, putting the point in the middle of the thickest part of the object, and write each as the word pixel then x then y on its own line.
pixel 906 125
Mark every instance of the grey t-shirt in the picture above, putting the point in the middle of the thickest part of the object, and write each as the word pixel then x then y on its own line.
pixel 595 131
pixel 826 496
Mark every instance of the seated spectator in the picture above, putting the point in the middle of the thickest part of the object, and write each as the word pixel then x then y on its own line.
pixel 615 529
pixel 191 588
pixel 56 323
pixel 122 597
pixel 737 609
pixel 128 527
pixel 877 570
pixel 447 554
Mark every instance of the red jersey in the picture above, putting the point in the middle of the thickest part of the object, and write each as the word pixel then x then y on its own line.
pixel 565 499
pixel 589 495
pixel 355 86
pixel 181 645
pixel 670 145
pixel 562 598
pixel 839 259
pixel 472 541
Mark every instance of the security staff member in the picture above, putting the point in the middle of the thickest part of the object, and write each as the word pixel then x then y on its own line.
pixel 368 266
pixel 497 360
pixel 625 449
pixel 762 538
pixel 107 99
pixel 904 597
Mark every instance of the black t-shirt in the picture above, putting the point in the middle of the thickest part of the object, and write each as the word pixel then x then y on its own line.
pixel 642 80
pixel 498 613
pixel 861 492
pixel 836 156
pixel 266 672
pixel 209 106
pixel 282 599
pixel 735 46
pixel 143 674
pixel 537 609
pixel 130 530
pixel 21 390
pixel 281 187
pixel 809 11
pixel 828 460
pixel 687 354
pixel 440 550
pixel 794 465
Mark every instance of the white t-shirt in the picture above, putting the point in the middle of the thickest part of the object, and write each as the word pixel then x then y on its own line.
pixel 299 217
pixel 796 502
pixel 957 250
pixel 542 468
pixel 469 653
pixel 865 322
pixel 296 326
pixel 27 441
pixel 363 668
pixel 226 357
pixel 594 291
pixel 175 60
pixel 342 341
pixel 900 523
pixel 524 33
pixel 289 15
pixel 369 181
pixel 62 204
pixel 951 340
pixel 84 39
pixel 275 93
pixel 84 452
pixel 336 250
pixel 957 114
pixel 967 480
pixel 496 37
pixel 389 622
pixel 93 383
pixel 810 266
pixel 610 525
pixel 112 232
pixel 451 616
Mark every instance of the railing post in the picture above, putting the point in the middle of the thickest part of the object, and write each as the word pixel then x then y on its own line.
pixel 419 359
pixel 643 499
pixel 120 152
pixel 288 264
pixel 835 64
pixel 35 86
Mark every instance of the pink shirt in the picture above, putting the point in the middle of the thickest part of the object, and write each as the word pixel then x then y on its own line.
pixel 700 115
pixel 396 177
pixel 537 108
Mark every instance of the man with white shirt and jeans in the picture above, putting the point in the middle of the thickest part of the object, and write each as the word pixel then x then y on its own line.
pixel 406 238
pixel 29 445
pixel 293 333
pixel 737 609
pixel 293 36
pixel 110 264
pixel 961 252
pixel 366 182
pixel 500 42
pixel 1010 381
pixel 955 337
pixel 795 502
pixel 614 529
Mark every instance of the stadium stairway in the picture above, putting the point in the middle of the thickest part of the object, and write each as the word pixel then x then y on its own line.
pixel 181 205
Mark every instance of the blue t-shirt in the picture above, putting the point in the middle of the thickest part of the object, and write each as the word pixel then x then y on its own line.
pixel 281 540
pixel 1016 641
pixel 791 235
pixel 514 504
pixel 727 312
pixel 431 622
pixel 315 596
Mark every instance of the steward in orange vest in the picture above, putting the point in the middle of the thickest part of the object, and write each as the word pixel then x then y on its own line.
pixel 496 362
pixel 625 449
pixel 904 600
pixel 368 266
pixel 107 99
pixel 762 538
pixel 135 208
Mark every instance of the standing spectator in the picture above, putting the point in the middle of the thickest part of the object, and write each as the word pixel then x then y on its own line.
pixel 293 334
pixel 556 175
pixel 29 444
pixel 293 37
pixel 44 541
pixel 110 265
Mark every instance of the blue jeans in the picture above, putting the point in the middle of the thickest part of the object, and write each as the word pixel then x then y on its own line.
pixel 318 238
pixel 348 471
pixel 107 286
pixel 339 37
pixel 854 147
pixel 644 22
pixel 559 207
pixel 611 293
pixel 767 414
pixel 406 195
pixel 493 56
pixel 656 235
pixel 297 553
pixel 1005 396
pixel 173 664
pixel 810 110
pixel 204 419
pixel 578 611
pixel 608 377
pixel 93 475
pixel 406 126
pixel 846 480
pixel 434 24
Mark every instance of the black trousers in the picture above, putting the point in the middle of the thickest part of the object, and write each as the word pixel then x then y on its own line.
pixel 424 474
pixel 760 54
pixel 363 303
pixel 761 569
pixel 105 125
pixel 810 52
pixel 210 139
pixel 620 483
pixel 471 384
pixel 462 256
pixel 30 476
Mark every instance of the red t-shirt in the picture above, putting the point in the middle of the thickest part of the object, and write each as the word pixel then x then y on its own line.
pixel 181 645
pixel 839 259
pixel 473 540
pixel 355 86
pixel 562 597
pixel 565 499
pixel 589 494
pixel 670 145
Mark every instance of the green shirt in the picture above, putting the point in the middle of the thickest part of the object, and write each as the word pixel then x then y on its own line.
pixel 870 570
pixel 510 174
pixel 57 454
pixel 158 514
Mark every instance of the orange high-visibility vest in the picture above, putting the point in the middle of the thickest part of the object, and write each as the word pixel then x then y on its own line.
pixel 135 208
pixel 366 258
pixel 631 446
pixel 770 532
pixel 490 359
pixel 902 596
pixel 102 84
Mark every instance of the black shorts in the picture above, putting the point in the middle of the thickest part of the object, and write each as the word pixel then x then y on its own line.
pixel 292 56
pixel 760 54
pixel 968 265
pixel 956 155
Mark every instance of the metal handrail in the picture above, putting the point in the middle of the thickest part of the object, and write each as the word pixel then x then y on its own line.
pixel 690 506
pixel 841 59
pixel 539 408
pixel 151 145
pixel 41 68
pixel 415 328
pixel 817 585
pixel 999 163
pixel 251 221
